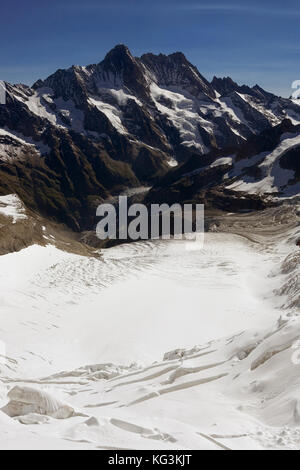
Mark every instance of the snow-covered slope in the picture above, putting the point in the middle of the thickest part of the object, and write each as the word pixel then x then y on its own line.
pixel 11 206
pixel 81 336
pixel 262 171
pixel 278 173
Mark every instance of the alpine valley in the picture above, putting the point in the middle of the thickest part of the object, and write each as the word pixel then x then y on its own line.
pixel 86 133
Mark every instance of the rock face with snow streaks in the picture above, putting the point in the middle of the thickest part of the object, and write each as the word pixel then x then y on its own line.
pixel 84 133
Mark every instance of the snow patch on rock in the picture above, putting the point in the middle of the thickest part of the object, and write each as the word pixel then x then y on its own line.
pixel 11 206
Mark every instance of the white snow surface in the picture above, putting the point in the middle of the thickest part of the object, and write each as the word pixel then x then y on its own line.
pixel 90 337
pixel 113 114
pixel 184 114
pixel 11 206
pixel 41 104
pixel 222 161
pixel 275 178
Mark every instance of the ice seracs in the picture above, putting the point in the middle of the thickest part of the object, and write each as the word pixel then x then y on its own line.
pixel 24 400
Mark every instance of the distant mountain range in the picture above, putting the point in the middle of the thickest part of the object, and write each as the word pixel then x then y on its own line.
pixel 86 133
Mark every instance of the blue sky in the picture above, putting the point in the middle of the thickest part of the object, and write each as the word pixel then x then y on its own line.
pixel 253 42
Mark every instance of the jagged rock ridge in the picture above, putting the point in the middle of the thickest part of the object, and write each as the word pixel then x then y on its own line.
pixel 84 133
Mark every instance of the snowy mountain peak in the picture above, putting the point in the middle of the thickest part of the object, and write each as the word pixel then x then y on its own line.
pixel 125 70
pixel 175 70
pixel 224 85
pixel 119 53
pixel 263 92
pixel 66 84
pixel 100 128
pixel 118 60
